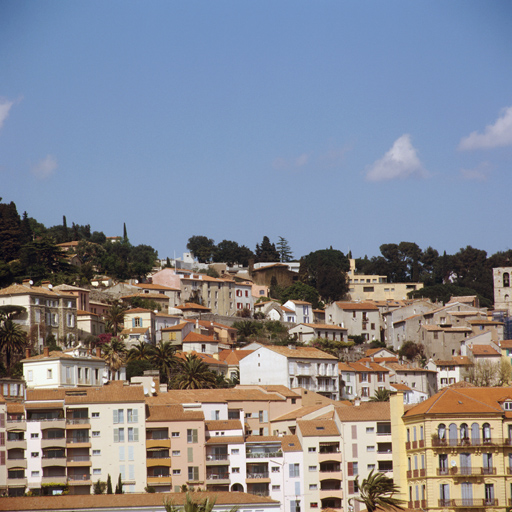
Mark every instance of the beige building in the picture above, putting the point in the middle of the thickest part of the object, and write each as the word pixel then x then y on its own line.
pixel 359 318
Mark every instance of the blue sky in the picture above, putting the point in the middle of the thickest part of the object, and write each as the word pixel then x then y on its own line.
pixel 331 123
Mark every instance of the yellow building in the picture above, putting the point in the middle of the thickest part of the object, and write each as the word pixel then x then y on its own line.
pixel 454 450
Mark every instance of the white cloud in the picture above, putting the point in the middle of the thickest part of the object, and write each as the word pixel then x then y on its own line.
pixel 5 106
pixel 400 162
pixel 495 135
pixel 45 168
pixel 479 173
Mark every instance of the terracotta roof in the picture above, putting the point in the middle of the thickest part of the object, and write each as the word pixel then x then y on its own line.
pixel 484 321
pixel 115 502
pixel 225 440
pixel 135 330
pixel 301 352
pixel 263 439
pixel 81 312
pixel 314 428
pixel 233 356
pixel 152 286
pixel 114 391
pixel 300 412
pixel 173 412
pixel 452 401
pixel 15 408
pixel 266 267
pixel 366 411
pixel 301 302
pixel 206 358
pixel 192 337
pixel 287 310
pixel 218 395
pixel 506 343
pixel 400 387
pixel 44 405
pixel 397 367
pixel 360 367
pixel 191 305
pixel 454 361
pixel 290 444
pixel 282 390
pixel 223 425
pixel 177 327
pixel 350 306
pixel 137 310
pixel 485 350
pixel 149 296
pixel 330 327
pixel 19 289
pixel 57 354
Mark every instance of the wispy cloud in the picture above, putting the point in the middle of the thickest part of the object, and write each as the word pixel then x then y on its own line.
pixel 291 163
pixel 479 173
pixel 334 157
pixel 495 135
pixel 45 168
pixel 5 106
pixel 400 162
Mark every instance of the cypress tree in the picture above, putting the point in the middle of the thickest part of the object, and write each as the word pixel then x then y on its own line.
pixel 119 486
pixel 109 485
pixel 125 234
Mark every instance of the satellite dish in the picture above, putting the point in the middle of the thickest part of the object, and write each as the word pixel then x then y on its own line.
pixel 50 286
pixel 31 282
pixel 454 464
pixel 136 281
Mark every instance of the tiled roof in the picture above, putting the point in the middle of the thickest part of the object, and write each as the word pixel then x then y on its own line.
pixel 233 356
pixel 314 428
pixel 299 413
pixel 113 502
pixel 151 286
pixel 218 396
pixel 177 327
pixel 149 296
pixel 330 327
pixel 397 367
pixel 81 312
pixel 290 444
pixel 484 321
pixel 287 310
pixel 282 265
pixel 485 350
pixel 463 401
pixel 19 289
pixel 366 411
pixel 206 358
pixel 359 306
pixel 301 302
pixel 400 387
pixel 360 367
pixel 301 352
pixel 191 305
pixel 114 391
pixel 57 354
pixel 137 310
pixel 506 344
pixel 454 361
pixel 225 440
pixel 135 330
pixel 44 405
pixel 282 390
pixel 192 337
pixel 173 412
pixel 223 425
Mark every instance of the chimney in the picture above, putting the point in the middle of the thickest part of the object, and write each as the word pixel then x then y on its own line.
pixel 27 282
pixel 357 402
pixel 98 351
pixel 27 352
pixel 46 351
pixel 46 284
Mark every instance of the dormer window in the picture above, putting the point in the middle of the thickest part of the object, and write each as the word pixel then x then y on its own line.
pixel 507 405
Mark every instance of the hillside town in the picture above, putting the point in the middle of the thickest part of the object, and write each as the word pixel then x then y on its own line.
pixel 187 382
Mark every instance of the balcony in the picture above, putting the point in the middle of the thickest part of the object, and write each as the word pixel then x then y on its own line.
pixel 159 480
pixel 54 442
pixel 47 462
pixel 417 504
pixel 258 475
pixel 263 455
pixel 16 424
pixel 55 479
pixel 19 462
pixel 217 478
pixel 217 459
pixel 79 479
pixel 467 442
pixel 20 481
pixel 158 443
pixel 78 442
pixel 468 471
pixel 78 423
pixel 79 460
pixel 158 461
pixel 255 492
pixel 16 443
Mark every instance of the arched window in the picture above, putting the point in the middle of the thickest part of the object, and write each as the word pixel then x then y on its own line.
pixel 441 431
pixel 464 434
pixel 486 432
pixel 475 434
pixel 506 280
pixel 452 433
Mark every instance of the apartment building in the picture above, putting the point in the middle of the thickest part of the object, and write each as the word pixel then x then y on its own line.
pixel 46 311
pixel 365 431
pixel 359 318
pixel 293 367
pixel 308 332
pixel 139 325
pixel 453 451
pixel 360 380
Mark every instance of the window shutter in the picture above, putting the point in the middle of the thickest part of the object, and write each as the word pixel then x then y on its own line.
pixel 116 435
pixel 2 458
pixel 130 454
pixel 133 322
pixel 354 450
pixel 194 435
pixel 369 377
pixel 135 434
pixel 265 416
pixel 2 420
pixel 135 415
pixel 351 486
pixel 116 416
pixel 350 469
pixel 2 438
pixel 297 488
pixel 360 377
pixel 121 453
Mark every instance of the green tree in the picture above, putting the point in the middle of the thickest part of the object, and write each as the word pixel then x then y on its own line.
pixel 192 373
pixel 119 485
pixel 284 249
pixel 12 340
pixel 230 252
pixel 301 291
pixel 125 233
pixel 164 360
pixel 99 487
pixel 114 354
pixel 109 485
pixel 381 395
pixel 114 318
pixel 326 270
pixel 377 491
pixel 201 247
pixel 141 351
pixel 266 252
pixel 11 235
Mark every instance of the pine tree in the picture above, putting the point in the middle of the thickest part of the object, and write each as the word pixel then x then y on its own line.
pixel 125 234
pixel 65 233
pixel 284 250
pixel 109 485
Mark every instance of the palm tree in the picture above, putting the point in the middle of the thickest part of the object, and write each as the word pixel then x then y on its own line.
pixel 162 358
pixel 377 491
pixel 381 395
pixel 114 354
pixel 140 352
pixel 193 374
pixel 12 339
pixel 114 317
pixel 193 505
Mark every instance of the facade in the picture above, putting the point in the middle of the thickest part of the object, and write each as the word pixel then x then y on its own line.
pixel 308 332
pixel 303 367
pixel 453 451
pixel 360 380
pixel 502 295
pixel 303 310
pixel 359 318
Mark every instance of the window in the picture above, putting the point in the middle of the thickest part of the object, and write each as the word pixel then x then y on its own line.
pixel 192 435
pixel 276 487
pixel 49 374
pixel 312 468
pixel 95 415
pixel 34 473
pixel 370 448
pixel 34 454
pixel 235 451
pixel 133 434
pixel 294 470
pixel 96 452
pixel 118 415
pixel 176 471
pixel 132 415
pixel 313 504
pixel 176 453
pixel 30 375
pixel 96 471
pixel 365 392
pixel 34 435
pixel 193 473
pixel 175 434
pixel 313 487
pixel 276 469
pixel 312 449
pixel 119 435
pixel 95 433
pixel 235 470
pixel 370 430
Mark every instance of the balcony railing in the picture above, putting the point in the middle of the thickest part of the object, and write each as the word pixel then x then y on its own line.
pixel 468 441
pixel 468 503
pixel 258 493
pixel 222 456
pixel 263 474
pixel 74 440
pixel 78 478
pixel 78 421
pixel 263 455
pixel 220 476
pixel 79 458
